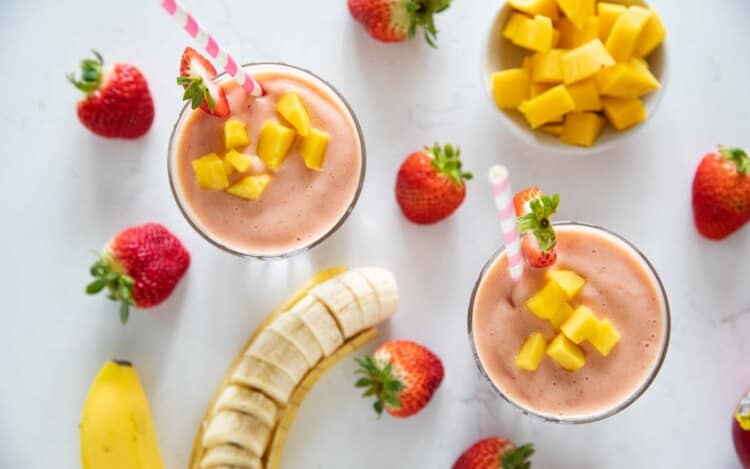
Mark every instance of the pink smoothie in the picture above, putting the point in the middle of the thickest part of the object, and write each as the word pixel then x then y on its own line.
pixel 300 205
pixel 619 287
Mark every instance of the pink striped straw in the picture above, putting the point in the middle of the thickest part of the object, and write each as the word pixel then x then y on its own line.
pixel 209 44
pixel 504 202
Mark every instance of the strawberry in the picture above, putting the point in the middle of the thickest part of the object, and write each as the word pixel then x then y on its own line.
pixel 721 193
pixel 538 239
pixel 430 184
pixel 140 266
pixel 398 20
pixel 402 375
pixel 118 103
pixel 197 77
pixel 495 453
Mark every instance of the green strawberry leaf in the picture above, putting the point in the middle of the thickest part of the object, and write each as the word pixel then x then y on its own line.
pixel 537 221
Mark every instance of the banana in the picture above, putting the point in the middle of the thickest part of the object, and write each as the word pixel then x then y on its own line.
pixel 384 284
pixel 318 319
pixel 116 427
pixel 341 304
pixel 293 329
pixel 272 347
pixel 365 296
pixel 230 456
pixel 265 377
pixel 243 430
pixel 248 401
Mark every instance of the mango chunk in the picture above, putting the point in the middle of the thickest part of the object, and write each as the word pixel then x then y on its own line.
pixel 577 10
pixel 545 66
pixel 630 79
pixel 546 8
pixel 582 128
pixel 608 14
pixel 552 129
pixel 291 108
pixel 313 148
pixel 581 325
pixel 652 35
pixel 235 134
pixel 239 161
pixel 585 95
pixel 546 301
pixel 622 39
pixel 510 87
pixel 535 34
pixel 563 313
pixel 526 64
pixel 547 107
pixel 251 187
pixel 624 113
pixel 605 338
pixel 572 37
pixel 570 282
pixel 274 143
pixel 513 25
pixel 538 88
pixel 532 352
pixel 584 61
pixel 210 173
pixel 565 353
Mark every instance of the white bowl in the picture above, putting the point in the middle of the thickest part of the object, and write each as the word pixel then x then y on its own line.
pixel 500 54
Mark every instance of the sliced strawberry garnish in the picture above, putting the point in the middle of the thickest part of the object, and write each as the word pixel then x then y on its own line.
pixel 534 255
pixel 522 199
pixel 197 77
pixel 534 210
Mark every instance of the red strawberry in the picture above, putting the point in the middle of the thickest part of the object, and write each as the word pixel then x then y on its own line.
pixel 396 21
pixel 538 239
pixel 118 103
pixel 430 184
pixel 495 453
pixel 197 77
pixel 721 193
pixel 140 266
pixel 402 375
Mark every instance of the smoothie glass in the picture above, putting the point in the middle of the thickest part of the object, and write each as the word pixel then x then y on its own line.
pixel 216 239
pixel 630 396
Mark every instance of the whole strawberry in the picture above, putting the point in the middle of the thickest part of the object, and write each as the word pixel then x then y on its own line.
pixel 398 20
pixel 402 375
pixel 721 193
pixel 538 238
pixel 140 267
pixel 495 453
pixel 430 184
pixel 197 78
pixel 118 103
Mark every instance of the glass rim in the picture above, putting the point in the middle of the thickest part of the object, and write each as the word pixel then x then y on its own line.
pixel 609 411
pixel 296 251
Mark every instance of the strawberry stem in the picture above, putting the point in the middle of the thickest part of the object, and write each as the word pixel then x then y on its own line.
pixel 537 221
pixel 196 92
pixel 738 156
pixel 447 160
pixel 518 458
pixel 421 14
pixel 119 285
pixel 91 74
pixel 379 382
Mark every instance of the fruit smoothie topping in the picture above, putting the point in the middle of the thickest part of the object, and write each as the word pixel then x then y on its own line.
pixel 538 241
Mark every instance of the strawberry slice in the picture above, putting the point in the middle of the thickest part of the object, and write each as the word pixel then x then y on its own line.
pixel 196 76
pixel 534 209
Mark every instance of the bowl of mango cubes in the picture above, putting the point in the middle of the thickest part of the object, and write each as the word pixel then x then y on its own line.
pixel 575 75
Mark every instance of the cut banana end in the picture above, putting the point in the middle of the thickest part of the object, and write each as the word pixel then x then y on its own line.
pixel 272 347
pixel 248 401
pixel 364 294
pixel 264 376
pixel 230 456
pixel 243 430
pixel 384 284
pixel 294 330
pixel 319 320
pixel 341 304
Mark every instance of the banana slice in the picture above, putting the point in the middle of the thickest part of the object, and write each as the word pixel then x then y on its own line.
pixel 342 305
pixel 248 401
pixel 365 296
pixel 243 430
pixel 230 456
pixel 384 284
pixel 274 348
pixel 264 376
pixel 294 330
pixel 319 320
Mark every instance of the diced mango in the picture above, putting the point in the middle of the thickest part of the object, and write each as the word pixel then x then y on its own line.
pixel 546 301
pixel 239 161
pixel 228 168
pixel 526 64
pixel 547 107
pixel 510 87
pixel 629 79
pixel 552 129
pixel 577 10
pixel 235 134
pixel 531 352
pixel 563 313
pixel 274 143
pixel 545 66
pixel 251 187
pixel 210 173
pixel 513 25
pixel 570 282
pixel 538 88
pixel 581 325
pixel 622 39
pixel 608 14
pixel 652 35
pixel 536 34
pixel 565 353
pixel 585 95
pixel 313 148
pixel 605 337
pixel 291 108
pixel 624 113
pixel 571 37
pixel 582 128
pixel 584 61
pixel 546 8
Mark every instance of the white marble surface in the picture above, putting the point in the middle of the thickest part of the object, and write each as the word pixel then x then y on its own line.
pixel 64 191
